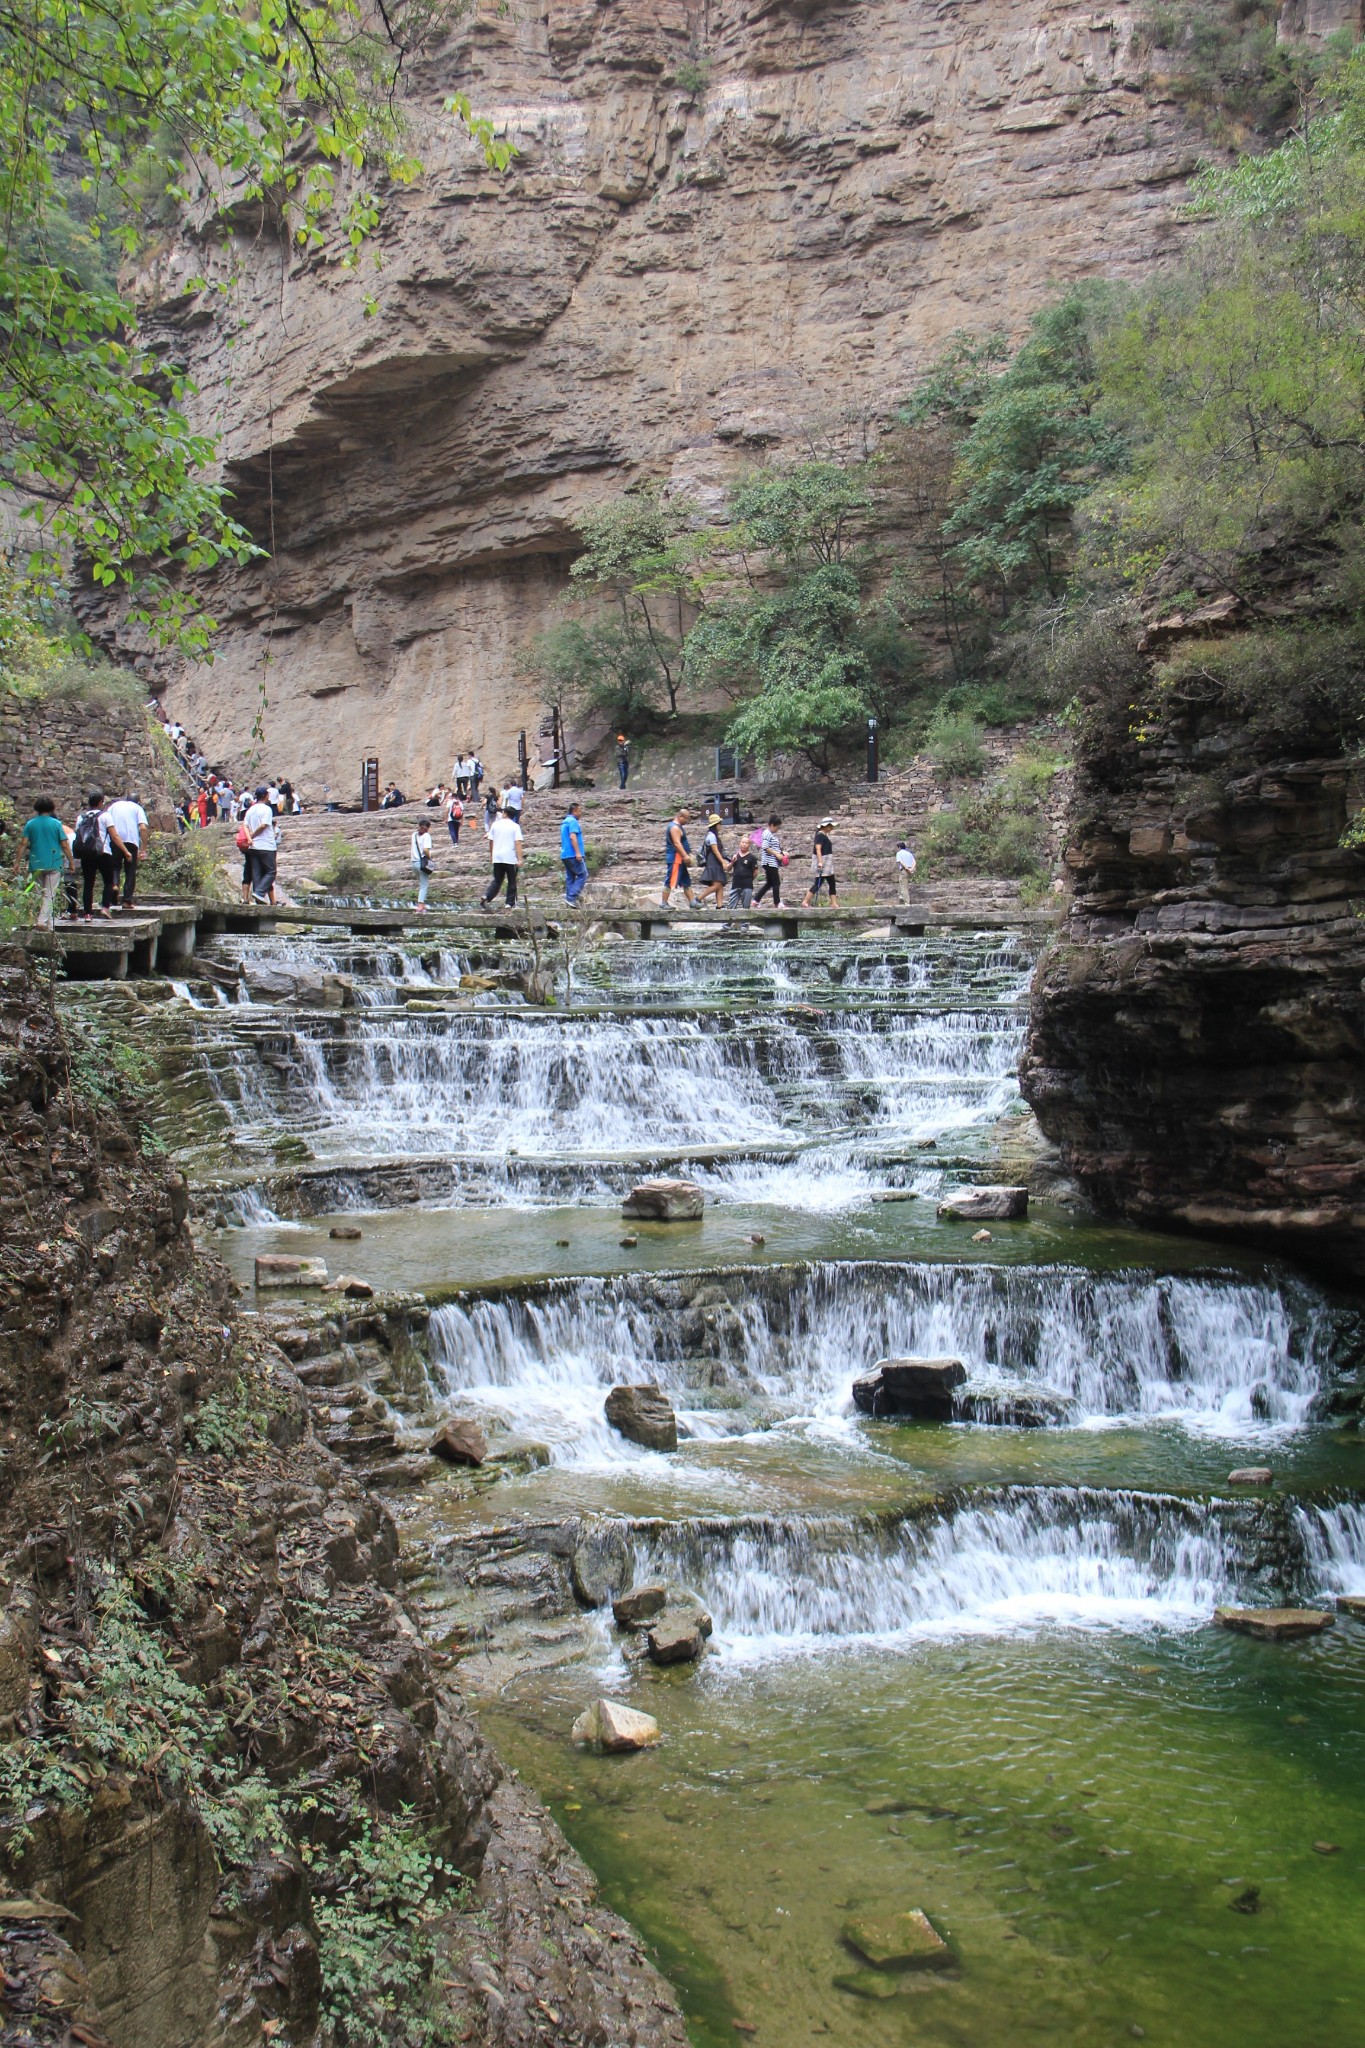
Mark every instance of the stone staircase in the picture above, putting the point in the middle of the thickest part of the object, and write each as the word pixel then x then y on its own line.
pixel 624 832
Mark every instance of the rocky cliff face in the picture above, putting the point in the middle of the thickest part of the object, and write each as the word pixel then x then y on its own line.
pixel 1197 1034
pixel 727 221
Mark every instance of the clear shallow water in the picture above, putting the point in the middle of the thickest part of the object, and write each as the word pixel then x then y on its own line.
pixel 960 1668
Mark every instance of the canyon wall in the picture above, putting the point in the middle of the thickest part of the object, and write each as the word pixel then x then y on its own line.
pixel 1197 1035
pixel 728 223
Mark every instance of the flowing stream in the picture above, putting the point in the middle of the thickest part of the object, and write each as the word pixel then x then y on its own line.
pixel 956 1667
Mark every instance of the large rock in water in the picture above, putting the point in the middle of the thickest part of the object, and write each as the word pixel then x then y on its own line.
pixel 898 1941
pixel 1274 1624
pixel 921 1389
pixel 985 1205
pixel 459 1442
pixel 664 1201
pixel 644 1415
pixel 609 1726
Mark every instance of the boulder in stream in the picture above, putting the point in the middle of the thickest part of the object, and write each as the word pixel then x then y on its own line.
pixel 1251 1475
pixel 985 1205
pixel 920 1389
pixel 644 1415
pixel 459 1442
pixel 640 1605
pixel 347 1283
pixel 1274 1624
pixel 675 1638
pixel 664 1201
pixel 1015 1407
pixel 601 1566
pixel 618 1730
pixel 897 1941
pixel 349 1232
pixel 278 1269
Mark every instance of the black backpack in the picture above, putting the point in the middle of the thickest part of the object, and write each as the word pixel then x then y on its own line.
pixel 87 839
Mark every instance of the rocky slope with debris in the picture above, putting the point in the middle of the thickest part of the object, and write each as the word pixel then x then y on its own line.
pixel 1197 1034
pixel 729 223
pixel 239 1802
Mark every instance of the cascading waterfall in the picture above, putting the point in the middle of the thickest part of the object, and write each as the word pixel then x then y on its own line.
pixel 1215 1352
pixel 1333 1540
pixel 1061 1556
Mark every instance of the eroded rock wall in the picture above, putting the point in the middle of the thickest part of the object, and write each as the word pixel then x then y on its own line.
pixel 1197 1038
pixel 728 221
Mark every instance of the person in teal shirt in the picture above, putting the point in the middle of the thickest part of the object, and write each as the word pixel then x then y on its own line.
pixel 572 855
pixel 47 840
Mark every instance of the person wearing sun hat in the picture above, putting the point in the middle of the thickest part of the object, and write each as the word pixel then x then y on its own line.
pixel 821 867
pixel 715 863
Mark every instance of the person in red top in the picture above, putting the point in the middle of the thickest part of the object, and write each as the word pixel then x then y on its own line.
pixel 201 804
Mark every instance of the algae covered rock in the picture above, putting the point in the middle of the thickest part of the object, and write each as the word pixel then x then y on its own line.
pixel 897 1941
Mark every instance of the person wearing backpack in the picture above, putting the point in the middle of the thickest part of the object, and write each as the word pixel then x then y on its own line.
pixel 421 862
pixel 94 856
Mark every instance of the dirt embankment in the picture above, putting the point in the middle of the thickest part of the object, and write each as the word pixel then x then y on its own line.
pixel 238 1801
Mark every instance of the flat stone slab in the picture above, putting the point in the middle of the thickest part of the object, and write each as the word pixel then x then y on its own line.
pixel 1251 1475
pixel 1352 1604
pixel 897 1941
pixel 664 1201
pixel 985 1205
pixel 277 1269
pixel 1274 1624
pixel 618 1730
pixel 674 1639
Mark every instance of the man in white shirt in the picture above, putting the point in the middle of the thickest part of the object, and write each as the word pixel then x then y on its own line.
pixel 512 799
pixel 504 839
pixel 259 824
pixel 125 821
pixel 905 868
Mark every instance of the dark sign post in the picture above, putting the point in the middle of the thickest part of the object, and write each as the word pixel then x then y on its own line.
pixel 369 785
pixel 872 750
pixel 521 760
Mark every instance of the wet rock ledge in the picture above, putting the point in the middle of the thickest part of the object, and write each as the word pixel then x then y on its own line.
pixel 224 1747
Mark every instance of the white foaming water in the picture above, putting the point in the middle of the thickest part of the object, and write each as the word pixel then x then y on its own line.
pixel 1061 1557
pixel 1333 1541
pixel 380 973
pixel 246 1206
pixel 1210 1352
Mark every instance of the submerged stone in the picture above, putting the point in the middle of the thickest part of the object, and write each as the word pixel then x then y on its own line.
pixel 644 1415
pixel 460 1442
pixel 1022 1407
pixel 1274 1624
pixel 278 1269
pixel 1251 1475
pixel 664 1201
pixel 898 1941
pixel 347 1231
pixel 615 1729
pixel 985 1205
pixel 867 1983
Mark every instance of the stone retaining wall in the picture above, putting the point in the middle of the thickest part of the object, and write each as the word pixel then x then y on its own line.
pixel 63 746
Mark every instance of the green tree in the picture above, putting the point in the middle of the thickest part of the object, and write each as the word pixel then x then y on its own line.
pixel 275 113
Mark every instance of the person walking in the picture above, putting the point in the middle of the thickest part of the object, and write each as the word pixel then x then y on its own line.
pixel 92 850
pixel 263 843
pixel 742 874
pixel 677 853
pixel 454 818
pixel 513 797
pixel 126 821
pixel 572 854
pixel 821 868
pixel 771 860
pixel 715 863
pixel 421 861
pixel 46 845
pixel 504 840
pixel 622 760
pixel 905 871
pixel 475 774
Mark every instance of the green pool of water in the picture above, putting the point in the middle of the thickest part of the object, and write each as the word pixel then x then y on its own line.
pixel 1082 1817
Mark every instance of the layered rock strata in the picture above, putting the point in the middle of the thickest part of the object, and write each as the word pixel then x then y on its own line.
pixel 1197 1044
pixel 728 224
